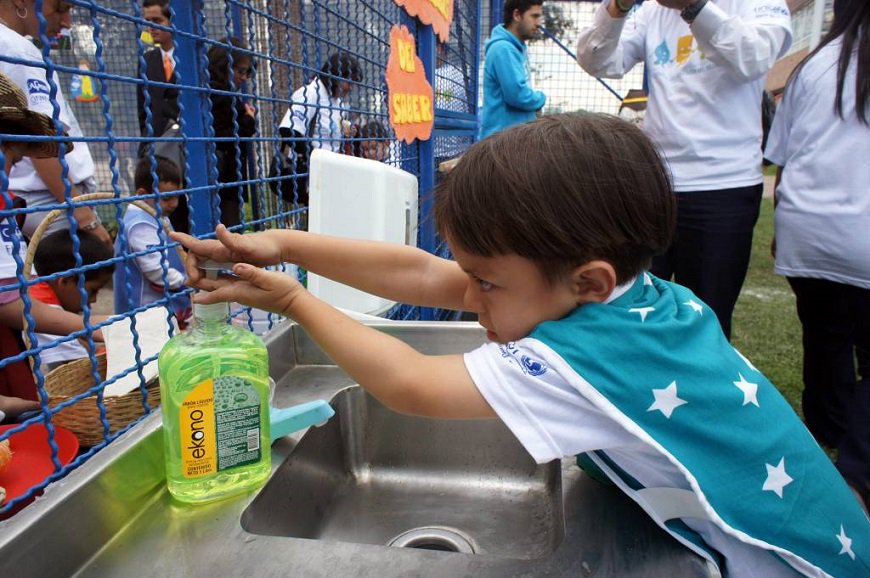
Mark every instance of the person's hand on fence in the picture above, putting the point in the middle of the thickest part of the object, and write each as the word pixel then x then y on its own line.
pixel 252 286
pixel 260 249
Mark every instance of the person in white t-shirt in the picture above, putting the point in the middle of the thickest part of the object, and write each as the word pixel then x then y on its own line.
pixel 588 354
pixel 706 61
pixel 314 119
pixel 41 181
pixel 820 139
pixel 16 378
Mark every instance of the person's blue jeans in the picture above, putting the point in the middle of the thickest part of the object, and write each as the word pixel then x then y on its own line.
pixel 712 245
pixel 836 334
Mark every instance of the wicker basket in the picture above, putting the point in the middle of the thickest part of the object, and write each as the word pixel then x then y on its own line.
pixel 74 378
pixel 83 417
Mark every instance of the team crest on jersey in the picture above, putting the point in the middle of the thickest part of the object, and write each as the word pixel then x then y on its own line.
pixel 532 366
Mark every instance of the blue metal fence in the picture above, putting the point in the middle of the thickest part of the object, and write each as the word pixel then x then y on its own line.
pixel 284 44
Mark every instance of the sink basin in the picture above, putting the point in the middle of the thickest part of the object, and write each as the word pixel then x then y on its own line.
pixel 463 498
pixel 373 476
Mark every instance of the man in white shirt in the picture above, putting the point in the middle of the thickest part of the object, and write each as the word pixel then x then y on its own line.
pixel 706 61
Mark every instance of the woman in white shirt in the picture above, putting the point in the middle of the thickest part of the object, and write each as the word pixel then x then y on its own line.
pixel 41 181
pixel 314 119
pixel 821 141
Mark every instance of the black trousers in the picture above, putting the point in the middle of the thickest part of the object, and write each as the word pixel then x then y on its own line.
pixel 711 249
pixel 836 403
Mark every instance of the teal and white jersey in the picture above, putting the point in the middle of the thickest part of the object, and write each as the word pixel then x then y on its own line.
pixel 650 390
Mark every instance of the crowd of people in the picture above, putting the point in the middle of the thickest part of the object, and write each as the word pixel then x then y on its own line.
pixel 605 272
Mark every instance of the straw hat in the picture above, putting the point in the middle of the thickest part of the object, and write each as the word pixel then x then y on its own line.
pixel 16 118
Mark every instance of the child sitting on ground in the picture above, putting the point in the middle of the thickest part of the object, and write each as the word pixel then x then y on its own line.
pixel 552 224
pixel 54 254
pixel 140 281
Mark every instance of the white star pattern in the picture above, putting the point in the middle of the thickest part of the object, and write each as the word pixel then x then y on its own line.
pixel 846 543
pixel 666 400
pixel 696 307
pixel 746 361
pixel 749 389
pixel 643 311
pixel 647 280
pixel 777 479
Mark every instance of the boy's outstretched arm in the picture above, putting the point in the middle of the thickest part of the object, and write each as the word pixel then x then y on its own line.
pixel 396 374
pixel 396 272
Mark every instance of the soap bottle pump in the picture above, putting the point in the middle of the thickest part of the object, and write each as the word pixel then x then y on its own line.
pixel 214 387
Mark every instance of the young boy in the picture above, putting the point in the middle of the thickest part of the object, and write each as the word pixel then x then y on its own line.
pixel 589 354
pixel 54 254
pixel 140 281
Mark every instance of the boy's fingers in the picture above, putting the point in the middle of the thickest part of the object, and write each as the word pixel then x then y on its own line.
pixel 256 276
pixel 191 267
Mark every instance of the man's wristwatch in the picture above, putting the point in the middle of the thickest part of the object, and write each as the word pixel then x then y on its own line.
pixel 93 224
pixel 624 6
pixel 690 12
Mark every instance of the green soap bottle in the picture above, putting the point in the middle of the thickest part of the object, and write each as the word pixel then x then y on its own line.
pixel 214 387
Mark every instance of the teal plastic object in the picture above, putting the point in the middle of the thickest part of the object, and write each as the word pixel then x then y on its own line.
pixel 290 419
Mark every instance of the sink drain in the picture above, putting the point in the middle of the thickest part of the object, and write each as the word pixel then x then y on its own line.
pixel 434 538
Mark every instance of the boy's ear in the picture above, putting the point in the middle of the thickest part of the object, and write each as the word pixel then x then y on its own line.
pixel 593 282
pixel 141 191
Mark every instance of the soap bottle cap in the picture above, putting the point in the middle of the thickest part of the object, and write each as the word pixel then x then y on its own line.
pixel 212 311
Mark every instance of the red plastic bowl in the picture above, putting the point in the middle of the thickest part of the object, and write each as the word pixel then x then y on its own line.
pixel 31 458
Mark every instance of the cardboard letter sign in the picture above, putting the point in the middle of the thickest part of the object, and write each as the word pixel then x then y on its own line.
pixel 438 13
pixel 409 93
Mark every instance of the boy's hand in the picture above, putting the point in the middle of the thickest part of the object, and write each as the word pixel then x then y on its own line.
pixel 268 290
pixel 259 249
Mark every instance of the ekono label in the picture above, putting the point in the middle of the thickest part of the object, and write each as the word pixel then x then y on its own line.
pixel 219 426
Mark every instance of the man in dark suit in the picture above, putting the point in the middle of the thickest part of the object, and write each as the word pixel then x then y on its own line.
pixel 160 67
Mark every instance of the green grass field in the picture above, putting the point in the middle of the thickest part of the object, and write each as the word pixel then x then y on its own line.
pixel 765 326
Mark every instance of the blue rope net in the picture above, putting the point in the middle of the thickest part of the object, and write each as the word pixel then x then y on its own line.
pixel 228 129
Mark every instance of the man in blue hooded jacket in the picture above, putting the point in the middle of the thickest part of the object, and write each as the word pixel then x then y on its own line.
pixel 507 97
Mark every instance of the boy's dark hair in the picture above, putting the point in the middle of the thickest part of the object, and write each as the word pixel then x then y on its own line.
pixel 167 172
pixel 54 254
pixel 164 5
pixel 373 130
pixel 339 66
pixel 561 191
pixel 521 5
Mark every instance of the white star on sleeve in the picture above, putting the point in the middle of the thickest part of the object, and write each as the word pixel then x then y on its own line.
pixel 749 389
pixel 666 400
pixel 777 478
pixel 846 543
pixel 643 311
pixel 696 307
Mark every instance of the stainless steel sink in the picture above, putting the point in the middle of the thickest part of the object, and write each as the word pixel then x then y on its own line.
pixel 373 476
pixel 341 493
